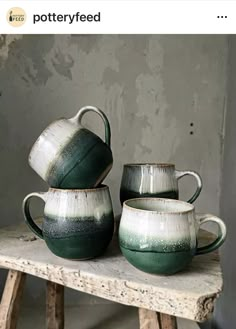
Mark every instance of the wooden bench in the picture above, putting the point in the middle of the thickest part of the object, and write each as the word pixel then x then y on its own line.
pixel 160 299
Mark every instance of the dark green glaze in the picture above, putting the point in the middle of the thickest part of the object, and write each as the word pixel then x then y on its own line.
pixel 127 194
pixel 74 167
pixel 78 238
pixel 79 246
pixel 159 263
pixel 129 242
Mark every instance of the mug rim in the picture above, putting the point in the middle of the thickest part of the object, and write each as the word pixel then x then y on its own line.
pixel 191 207
pixel 151 164
pixel 34 146
pixel 93 189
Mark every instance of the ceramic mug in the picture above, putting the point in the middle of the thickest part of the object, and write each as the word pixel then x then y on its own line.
pixel 160 235
pixel 67 155
pixel 77 224
pixel 154 180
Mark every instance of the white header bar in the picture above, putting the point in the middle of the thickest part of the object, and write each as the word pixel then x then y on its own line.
pixel 118 17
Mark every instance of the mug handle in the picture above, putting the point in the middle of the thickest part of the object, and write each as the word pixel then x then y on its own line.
pixel 26 211
pixel 181 173
pixel 204 218
pixel 83 110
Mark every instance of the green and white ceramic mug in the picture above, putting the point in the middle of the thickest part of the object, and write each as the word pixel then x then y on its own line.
pixel 160 235
pixel 158 180
pixel 77 224
pixel 67 155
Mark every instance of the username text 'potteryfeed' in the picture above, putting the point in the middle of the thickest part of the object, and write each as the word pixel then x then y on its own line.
pixel 66 18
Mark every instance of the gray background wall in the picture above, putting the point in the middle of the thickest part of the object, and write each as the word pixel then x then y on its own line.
pixel 225 310
pixel 151 88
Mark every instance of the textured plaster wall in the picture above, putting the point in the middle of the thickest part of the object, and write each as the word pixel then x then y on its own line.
pixel 225 311
pixel 151 88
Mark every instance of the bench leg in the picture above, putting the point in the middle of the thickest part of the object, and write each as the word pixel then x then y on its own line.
pixel 54 306
pixel 153 320
pixel 10 303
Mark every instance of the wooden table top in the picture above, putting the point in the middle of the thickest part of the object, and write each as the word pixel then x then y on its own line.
pixel 189 294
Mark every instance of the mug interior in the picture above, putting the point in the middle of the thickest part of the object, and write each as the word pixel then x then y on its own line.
pixel 158 205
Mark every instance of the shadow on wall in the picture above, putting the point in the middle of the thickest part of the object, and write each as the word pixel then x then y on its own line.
pixel 225 315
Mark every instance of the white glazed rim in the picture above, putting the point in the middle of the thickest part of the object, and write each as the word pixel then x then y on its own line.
pixel 189 206
pixel 93 189
pixel 149 164
pixel 34 147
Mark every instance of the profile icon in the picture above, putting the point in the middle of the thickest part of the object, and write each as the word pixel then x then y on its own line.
pixel 16 16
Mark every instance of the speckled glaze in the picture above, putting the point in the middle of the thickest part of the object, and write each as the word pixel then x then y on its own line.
pixel 160 235
pixel 78 224
pixel 67 155
pixel 154 180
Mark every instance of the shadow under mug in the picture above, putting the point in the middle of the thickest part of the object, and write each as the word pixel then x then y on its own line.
pixel 154 180
pixel 160 235
pixel 77 224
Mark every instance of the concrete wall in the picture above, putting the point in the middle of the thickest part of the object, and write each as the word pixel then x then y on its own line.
pixel 225 311
pixel 151 88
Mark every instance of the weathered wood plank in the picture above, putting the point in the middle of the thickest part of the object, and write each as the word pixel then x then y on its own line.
pixel 54 306
pixel 168 321
pixel 148 319
pixel 153 320
pixel 10 303
pixel 189 294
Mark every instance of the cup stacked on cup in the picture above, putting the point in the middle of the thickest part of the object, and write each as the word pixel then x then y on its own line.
pixel 78 217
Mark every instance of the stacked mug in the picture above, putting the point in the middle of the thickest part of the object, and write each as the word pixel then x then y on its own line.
pixel 78 218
